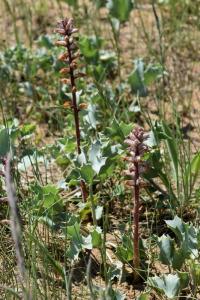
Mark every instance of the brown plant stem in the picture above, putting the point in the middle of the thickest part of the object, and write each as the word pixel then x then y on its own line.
pixel 74 102
pixel 76 115
pixel 66 29
pixel 137 166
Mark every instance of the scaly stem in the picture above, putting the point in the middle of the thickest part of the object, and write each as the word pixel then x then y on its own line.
pixel 74 102
pixel 137 148
pixel 76 116
pixel 66 28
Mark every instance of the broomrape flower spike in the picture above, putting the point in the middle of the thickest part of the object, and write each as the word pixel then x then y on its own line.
pixel 137 167
pixel 66 29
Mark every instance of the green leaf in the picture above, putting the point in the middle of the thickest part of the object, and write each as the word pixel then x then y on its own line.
pixel 178 259
pixel 62 161
pixel 120 9
pixel 90 116
pixel 69 145
pixel 84 210
pixel 81 159
pixel 28 129
pixel 76 244
pixel 98 72
pixel 89 47
pixel 151 141
pixel 166 245
pixel 73 3
pixel 96 158
pixel 172 148
pixel 45 41
pixel 4 142
pixel 186 234
pixel 73 232
pixel 152 72
pixel 125 251
pixel 169 255
pixel 96 235
pixel 176 225
pixel 136 79
pixel 119 131
pixel 195 272
pixel 74 250
pixel 112 294
pixel 98 212
pixel 193 170
pixel 115 23
pixel 169 285
pixel 144 296
pixel 87 173
pixel 86 48
pixel 184 279
pixel 100 3
pixel 87 242
pixel 115 271
pixel 142 76
pixel 50 196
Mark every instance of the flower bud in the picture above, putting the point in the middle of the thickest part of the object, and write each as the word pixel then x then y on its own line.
pixel 67 104
pixel 136 149
pixel 74 30
pixel 129 183
pixel 80 74
pixel 69 23
pixel 77 55
pixel 61 43
pixel 66 39
pixel 71 40
pixel 83 106
pixel 5 222
pixel 73 46
pixel 132 144
pixel 138 159
pixel 65 81
pixel 129 173
pixel 64 71
pixel 60 31
pixel 73 65
pixel 63 56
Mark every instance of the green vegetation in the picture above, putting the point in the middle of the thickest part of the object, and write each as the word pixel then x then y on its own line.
pixel 99 149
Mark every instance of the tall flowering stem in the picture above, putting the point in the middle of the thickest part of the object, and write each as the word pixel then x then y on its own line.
pixel 137 167
pixel 70 73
